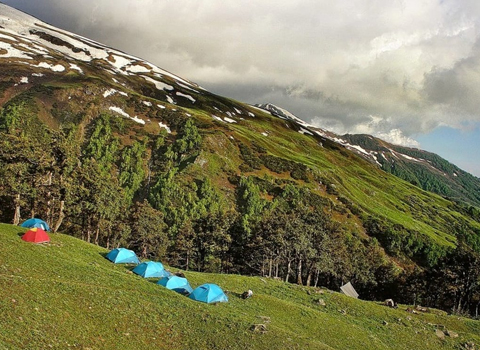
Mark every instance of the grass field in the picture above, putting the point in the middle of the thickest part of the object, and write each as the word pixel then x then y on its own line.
pixel 66 295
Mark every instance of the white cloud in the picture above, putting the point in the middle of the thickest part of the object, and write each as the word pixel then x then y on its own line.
pixel 412 64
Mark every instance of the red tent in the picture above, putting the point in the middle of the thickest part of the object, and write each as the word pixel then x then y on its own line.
pixel 36 235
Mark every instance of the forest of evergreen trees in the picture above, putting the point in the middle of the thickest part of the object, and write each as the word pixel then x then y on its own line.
pixel 95 181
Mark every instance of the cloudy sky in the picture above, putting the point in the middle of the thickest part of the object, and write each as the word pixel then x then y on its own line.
pixel 407 71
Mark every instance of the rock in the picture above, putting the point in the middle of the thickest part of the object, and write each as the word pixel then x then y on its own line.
pixel 440 334
pixel 421 308
pixel 385 323
pixel 469 345
pixel 321 302
pixel 451 334
pixel 259 328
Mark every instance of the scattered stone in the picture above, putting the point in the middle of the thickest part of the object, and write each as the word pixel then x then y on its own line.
pixel 421 308
pixel 440 334
pixel 385 323
pixel 451 334
pixel 320 291
pixel 390 303
pixel 129 272
pixel 259 328
pixel 470 345
pixel 343 312
pixel 321 302
pixel 412 311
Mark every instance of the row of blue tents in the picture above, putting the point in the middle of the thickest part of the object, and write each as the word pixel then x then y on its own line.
pixel 207 293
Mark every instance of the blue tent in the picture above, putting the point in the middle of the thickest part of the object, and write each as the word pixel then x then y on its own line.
pixel 38 223
pixel 176 283
pixel 150 269
pixel 209 293
pixel 122 256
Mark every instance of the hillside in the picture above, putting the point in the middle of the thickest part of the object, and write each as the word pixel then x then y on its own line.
pixel 421 168
pixel 65 294
pixel 116 151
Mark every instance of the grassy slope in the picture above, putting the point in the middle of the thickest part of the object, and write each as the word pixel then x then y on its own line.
pixel 67 295
pixel 375 191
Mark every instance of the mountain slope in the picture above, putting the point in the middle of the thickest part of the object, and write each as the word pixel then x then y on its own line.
pixel 421 168
pixel 116 151
pixel 67 295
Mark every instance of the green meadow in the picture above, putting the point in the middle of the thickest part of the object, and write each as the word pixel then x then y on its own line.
pixel 66 295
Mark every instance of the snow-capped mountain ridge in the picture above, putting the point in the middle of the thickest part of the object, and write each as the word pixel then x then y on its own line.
pixel 28 38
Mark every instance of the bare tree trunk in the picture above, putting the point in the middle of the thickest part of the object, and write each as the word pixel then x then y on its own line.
pixel 309 276
pixel 97 232
pixel 270 263
pixel 50 200
pixel 299 273
pixel 61 216
pixel 288 269
pixel 317 276
pixel 16 217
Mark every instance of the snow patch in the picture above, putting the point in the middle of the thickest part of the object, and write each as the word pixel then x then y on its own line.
pixel 55 68
pixel 229 120
pixel 186 87
pixel 165 126
pixel 147 103
pixel 136 68
pixel 109 92
pixel 12 51
pixel 264 133
pixel 158 84
pixel 251 114
pixel 8 37
pixel 125 114
pixel 218 118
pixel 75 67
pixel 186 96
pixel 138 120
pixel 170 100
pixel 304 131
pixel 162 107
pixel 237 110
pixel 24 80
